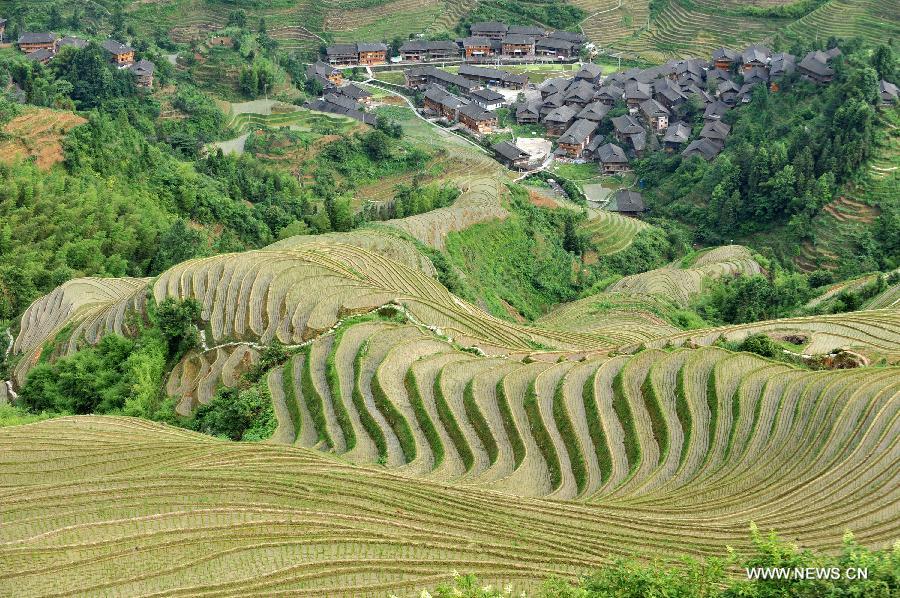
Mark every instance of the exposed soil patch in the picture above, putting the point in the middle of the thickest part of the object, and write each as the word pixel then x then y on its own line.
pixel 38 134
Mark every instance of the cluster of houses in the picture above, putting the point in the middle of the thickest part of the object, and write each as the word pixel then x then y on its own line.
pixel 575 110
pixel 465 96
pixel 486 42
pixel 339 96
pixel 43 47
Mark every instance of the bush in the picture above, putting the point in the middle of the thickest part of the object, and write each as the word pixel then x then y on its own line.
pixel 761 345
pixel 237 414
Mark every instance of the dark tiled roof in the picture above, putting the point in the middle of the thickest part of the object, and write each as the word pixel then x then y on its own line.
pixel 518 39
pixel 706 148
pixel 489 27
pixel 40 55
pixel 589 71
pixel 595 111
pixel 476 112
pixel 142 68
pixel 626 125
pixel 715 130
pixel 563 114
pixel 575 38
pixel 653 108
pixel 114 47
pixel 340 49
pixel 578 132
pixel 626 200
pixel 488 95
pixel 677 132
pixel 371 47
pixel 812 63
pixel 476 41
pixel 74 42
pixel 724 54
pixel 552 43
pixel 37 38
pixel 527 30
pixel 611 154
pixel 354 92
pixel 509 151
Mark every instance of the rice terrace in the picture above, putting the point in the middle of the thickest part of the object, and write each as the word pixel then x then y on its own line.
pixel 450 298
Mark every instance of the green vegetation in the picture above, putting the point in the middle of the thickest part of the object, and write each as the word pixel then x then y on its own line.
pixel 422 418
pixel 237 414
pixel 395 420
pixel 314 402
pixel 712 578
pixel 542 437
pixel 564 424
pixel 509 424
pixel 555 15
pixel 479 423
pixel 117 375
pixel 451 425
pixel 788 155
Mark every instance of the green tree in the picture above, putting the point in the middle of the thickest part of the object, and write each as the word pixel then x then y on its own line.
pixel 177 321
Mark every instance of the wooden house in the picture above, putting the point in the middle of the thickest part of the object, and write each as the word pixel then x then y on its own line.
pixel 589 72
pixel 324 73
pixel 724 58
pixel 442 103
pixel 715 130
pixel 636 92
pixel 559 120
pixel 627 202
pixel 887 92
pixel 676 134
pixel 477 47
pixel 371 54
pixel 530 30
pixel 612 159
pixel 71 42
pixel 553 47
pixel 492 76
pixel 517 45
pixel 704 147
pixel 814 67
pixel 595 111
pixel 488 99
pixel 419 50
pixel 120 54
pixel 609 94
pixel 528 113
pixel 656 114
pixel 32 42
pixel 511 156
pixel 755 56
pixel 626 125
pixel 573 38
pixel 576 138
pixel 342 54
pixel 143 73
pixel 355 93
pixel 40 56
pixel 477 119
pixel 490 30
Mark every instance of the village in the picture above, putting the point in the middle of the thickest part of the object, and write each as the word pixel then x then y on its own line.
pixel 594 116
pixel 43 47
pixel 680 106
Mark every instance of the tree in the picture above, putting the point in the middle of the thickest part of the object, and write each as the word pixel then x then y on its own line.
pixel 177 321
pixel 237 18
pixel 884 62
pixel 75 18
pixel 377 145
pixel 54 19
pixel 179 243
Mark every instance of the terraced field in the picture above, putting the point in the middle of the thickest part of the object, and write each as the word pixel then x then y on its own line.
pixel 837 227
pixel 37 133
pixel 612 232
pixel 873 20
pixel 658 453
pixel 679 285
pixel 383 21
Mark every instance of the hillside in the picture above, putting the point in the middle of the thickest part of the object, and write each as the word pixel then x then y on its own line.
pixel 36 134
pixel 182 513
